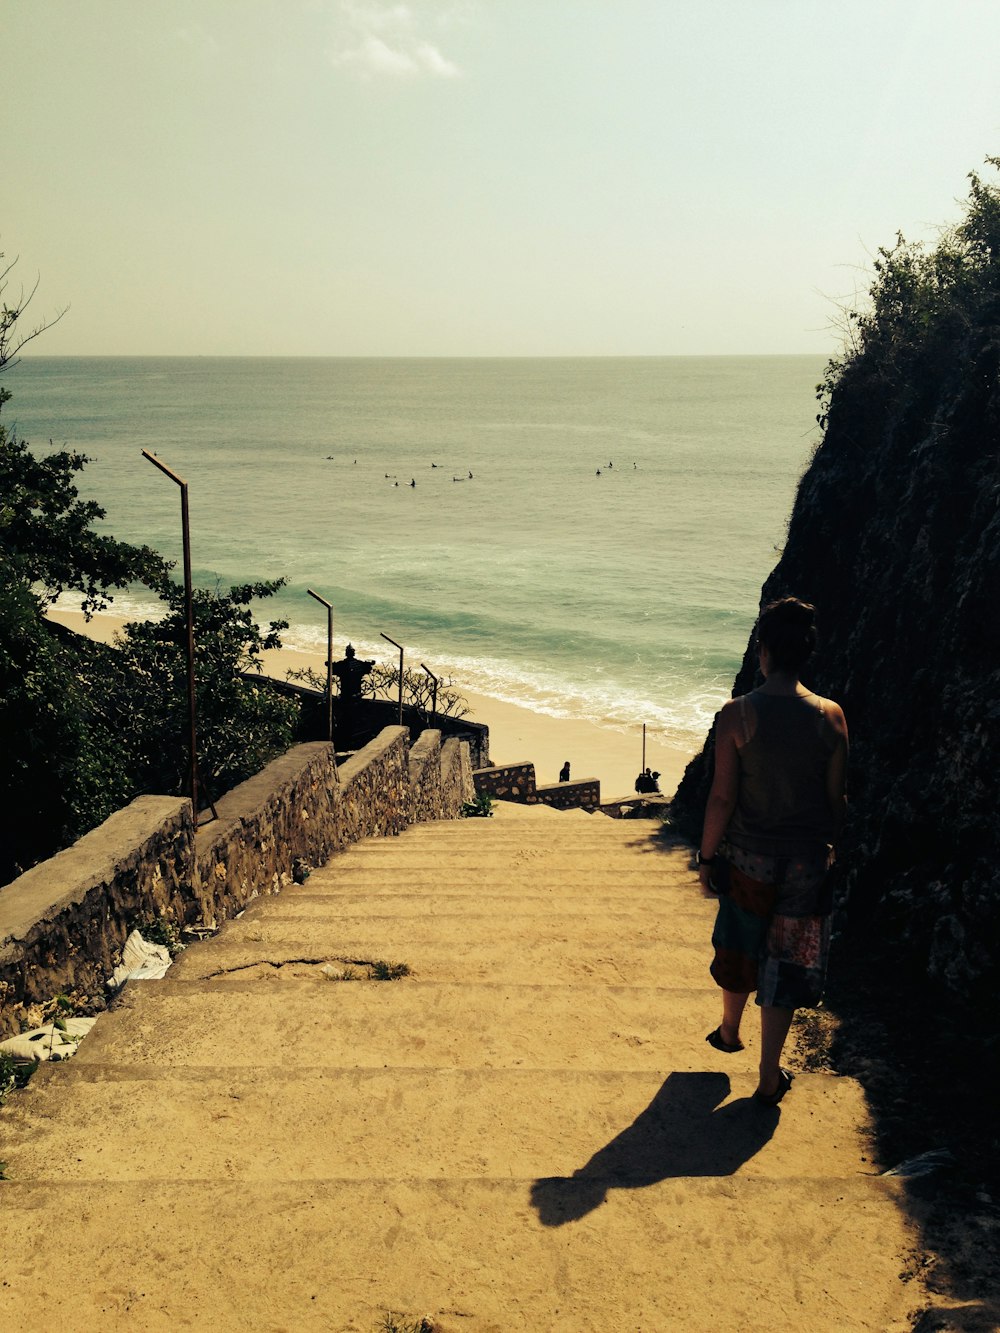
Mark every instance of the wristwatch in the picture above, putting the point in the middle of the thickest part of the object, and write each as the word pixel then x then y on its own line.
pixel 706 860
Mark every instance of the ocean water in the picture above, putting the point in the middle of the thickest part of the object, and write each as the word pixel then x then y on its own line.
pixel 511 565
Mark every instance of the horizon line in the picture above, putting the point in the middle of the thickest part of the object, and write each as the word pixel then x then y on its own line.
pixel 405 356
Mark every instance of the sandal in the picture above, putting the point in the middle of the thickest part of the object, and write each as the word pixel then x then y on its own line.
pixel 718 1042
pixel 772 1099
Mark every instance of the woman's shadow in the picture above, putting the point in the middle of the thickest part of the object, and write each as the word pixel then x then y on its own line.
pixel 680 1133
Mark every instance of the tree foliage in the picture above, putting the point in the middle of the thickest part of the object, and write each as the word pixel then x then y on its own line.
pixel 61 771
pixel 14 333
pixel 48 543
pixel 240 725
pixel 47 537
pixel 86 727
pixel 923 305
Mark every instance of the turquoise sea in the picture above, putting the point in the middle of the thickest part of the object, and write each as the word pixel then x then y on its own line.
pixel 621 598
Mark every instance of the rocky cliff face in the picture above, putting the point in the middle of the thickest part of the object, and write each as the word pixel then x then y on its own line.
pixel 895 536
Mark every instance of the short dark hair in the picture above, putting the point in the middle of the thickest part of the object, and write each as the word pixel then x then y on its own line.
pixel 787 629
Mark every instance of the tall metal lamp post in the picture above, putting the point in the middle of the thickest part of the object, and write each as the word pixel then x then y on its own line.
pixel 189 615
pixel 434 691
pixel 329 674
pixel 400 647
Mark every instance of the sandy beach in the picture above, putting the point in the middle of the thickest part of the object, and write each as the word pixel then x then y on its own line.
pixel 516 734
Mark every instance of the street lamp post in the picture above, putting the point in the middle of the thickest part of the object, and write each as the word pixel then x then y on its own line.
pixel 400 647
pixel 329 675
pixel 434 691
pixel 189 616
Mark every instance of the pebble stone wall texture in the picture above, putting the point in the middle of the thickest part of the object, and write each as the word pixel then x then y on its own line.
pixel 516 782
pixel 63 923
pixel 582 795
pixel 507 782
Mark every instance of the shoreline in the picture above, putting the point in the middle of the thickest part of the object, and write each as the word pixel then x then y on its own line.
pixel 517 734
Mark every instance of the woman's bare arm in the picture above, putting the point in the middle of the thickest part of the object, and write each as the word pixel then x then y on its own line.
pixel 725 786
pixel 836 769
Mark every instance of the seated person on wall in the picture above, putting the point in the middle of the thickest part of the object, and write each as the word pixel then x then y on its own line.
pixel 564 772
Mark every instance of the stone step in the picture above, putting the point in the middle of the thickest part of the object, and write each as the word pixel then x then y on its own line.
pixel 342 899
pixel 578 931
pixel 484 870
pixel 478 849
pixel 548 877
pixel 634 1128
pixel 275 949
pixel 481 1256
pixel 589 829
pixel 531 833
pixel 361 1024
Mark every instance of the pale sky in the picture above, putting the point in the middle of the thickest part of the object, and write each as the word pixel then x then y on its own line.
pixel 478 177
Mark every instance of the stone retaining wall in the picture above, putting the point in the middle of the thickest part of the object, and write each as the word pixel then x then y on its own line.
pixel 63 923
pixel 516 782
pixel 507 782
pixel 582 795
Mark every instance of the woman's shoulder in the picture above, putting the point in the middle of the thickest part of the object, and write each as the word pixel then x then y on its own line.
pixel 737 720
pixel 833 713
pixel 733 709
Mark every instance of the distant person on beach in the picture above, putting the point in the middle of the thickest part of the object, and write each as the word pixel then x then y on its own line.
pixel 655 779
pixel 773 817
pixel 564 772
pixel 644 782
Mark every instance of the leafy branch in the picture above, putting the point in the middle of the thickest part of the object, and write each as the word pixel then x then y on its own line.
pixel 418 691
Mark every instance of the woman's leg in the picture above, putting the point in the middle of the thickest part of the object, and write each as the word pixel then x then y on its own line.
pixel 774 1025
pixel 733 1004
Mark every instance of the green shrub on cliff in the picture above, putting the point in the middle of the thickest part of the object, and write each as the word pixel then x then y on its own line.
pixel 926 310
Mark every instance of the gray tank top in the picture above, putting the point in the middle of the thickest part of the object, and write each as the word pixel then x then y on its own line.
pixel 782 804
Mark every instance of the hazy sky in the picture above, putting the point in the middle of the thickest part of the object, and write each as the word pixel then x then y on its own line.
pixel 480 177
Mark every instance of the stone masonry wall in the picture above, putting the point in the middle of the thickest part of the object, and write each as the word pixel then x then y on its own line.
pixel 282 814
pixel 516 782
pixel 425 776
pixel 507 782
pixel 456 773
pixel 63 923
pixel 582 795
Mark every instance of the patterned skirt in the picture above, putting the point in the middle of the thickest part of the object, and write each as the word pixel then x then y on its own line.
pixel 772 932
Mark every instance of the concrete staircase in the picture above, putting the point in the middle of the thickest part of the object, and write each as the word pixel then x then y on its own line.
pixel 527 1133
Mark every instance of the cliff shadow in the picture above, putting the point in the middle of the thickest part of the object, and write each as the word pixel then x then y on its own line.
pixel 684 1131
pixel 928 1072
